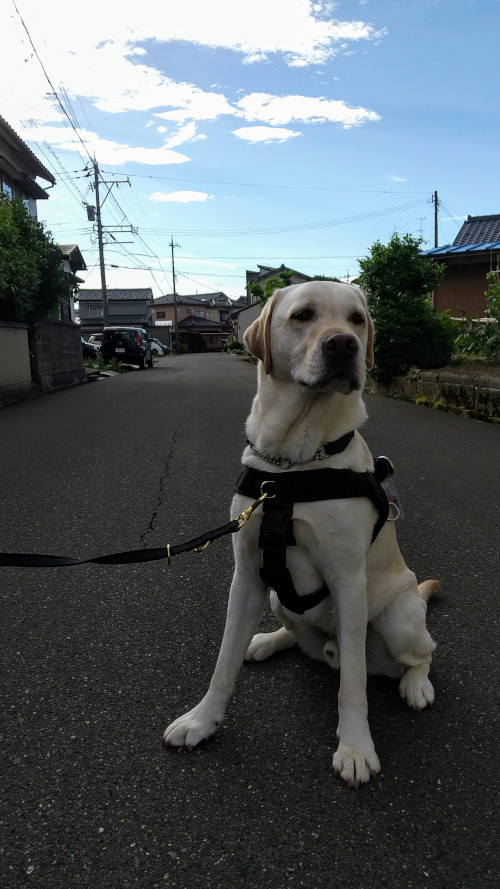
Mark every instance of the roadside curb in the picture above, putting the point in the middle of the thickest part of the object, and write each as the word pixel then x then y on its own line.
pixel 473 395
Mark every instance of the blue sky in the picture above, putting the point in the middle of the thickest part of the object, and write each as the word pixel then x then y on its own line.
pixel 277 131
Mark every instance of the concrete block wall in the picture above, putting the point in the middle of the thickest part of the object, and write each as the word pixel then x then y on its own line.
pixel 57 355
pixel 15 369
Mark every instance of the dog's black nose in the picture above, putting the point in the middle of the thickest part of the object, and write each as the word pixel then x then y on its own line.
pixel 340 345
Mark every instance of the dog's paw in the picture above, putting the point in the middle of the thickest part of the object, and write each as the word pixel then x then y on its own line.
pixel 263 645
pixel 191 728
pixel 416 688
pixel 332 654
pixel 356 764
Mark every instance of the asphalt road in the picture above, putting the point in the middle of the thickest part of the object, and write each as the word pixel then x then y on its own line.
pixel 96 661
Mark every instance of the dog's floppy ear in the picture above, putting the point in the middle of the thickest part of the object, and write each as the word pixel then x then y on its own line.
pixel 257 337
pixel 369 357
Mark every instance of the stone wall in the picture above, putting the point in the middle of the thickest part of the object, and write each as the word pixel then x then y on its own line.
pixel 473 394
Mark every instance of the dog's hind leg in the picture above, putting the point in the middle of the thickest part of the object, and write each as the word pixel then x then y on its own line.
pixel 379 661
pixel 402 625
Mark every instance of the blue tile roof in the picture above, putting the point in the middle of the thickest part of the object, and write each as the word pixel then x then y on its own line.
pixel 453 250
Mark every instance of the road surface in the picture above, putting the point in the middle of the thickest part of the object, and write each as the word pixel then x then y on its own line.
pixel 96 661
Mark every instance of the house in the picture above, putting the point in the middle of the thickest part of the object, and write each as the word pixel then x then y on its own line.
pixel 215 306
pixel 265 273
pixel 242 318
pixel 49 355
pixel 474 252
pixel 130 307
pixel 202 321
pixel 19 169
pixel 198 334
pixel 73 262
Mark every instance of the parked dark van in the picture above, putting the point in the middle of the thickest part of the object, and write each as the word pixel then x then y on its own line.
pixel 129 344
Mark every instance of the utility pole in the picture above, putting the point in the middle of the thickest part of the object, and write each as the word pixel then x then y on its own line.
pixel 435 201
pixel 105 312
pixel 172 245
pixel 98 205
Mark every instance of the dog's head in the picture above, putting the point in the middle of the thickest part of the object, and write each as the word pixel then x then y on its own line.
pixel 318 334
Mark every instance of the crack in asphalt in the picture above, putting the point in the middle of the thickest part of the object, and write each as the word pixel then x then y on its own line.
pixel 161 491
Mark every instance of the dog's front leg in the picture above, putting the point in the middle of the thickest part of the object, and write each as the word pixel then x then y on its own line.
pixel 355 759
pixel 246 601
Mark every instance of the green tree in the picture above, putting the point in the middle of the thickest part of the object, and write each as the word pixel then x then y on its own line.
pixel 408 330
pixel 284 279
pixel 32 280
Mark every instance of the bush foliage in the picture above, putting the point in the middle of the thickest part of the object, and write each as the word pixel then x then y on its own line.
pixel 408 330
pixel 481 336
pixel 32 280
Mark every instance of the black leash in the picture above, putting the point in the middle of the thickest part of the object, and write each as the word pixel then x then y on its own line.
pixel 197 544
pixel 305 487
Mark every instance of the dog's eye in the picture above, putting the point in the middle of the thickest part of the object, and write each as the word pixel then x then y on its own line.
pixel 304 315
pixel 357 318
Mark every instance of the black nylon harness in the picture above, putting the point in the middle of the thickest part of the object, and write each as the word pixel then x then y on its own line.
pixel 283 490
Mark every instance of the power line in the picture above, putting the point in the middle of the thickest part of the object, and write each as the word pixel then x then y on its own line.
pixel 291 228
pixel 273 186
pixel 54 91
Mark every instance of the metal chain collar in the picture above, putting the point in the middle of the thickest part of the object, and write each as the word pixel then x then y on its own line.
pixel 286 462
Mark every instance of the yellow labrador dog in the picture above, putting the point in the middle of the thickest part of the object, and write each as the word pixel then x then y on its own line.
pixel 362 609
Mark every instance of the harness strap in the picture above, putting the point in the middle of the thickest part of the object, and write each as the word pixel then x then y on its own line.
pixel 276 532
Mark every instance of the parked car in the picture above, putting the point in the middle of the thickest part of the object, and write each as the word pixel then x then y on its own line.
pixel 158 347
pixel 95 339
pixel 129 344
pixel 90 350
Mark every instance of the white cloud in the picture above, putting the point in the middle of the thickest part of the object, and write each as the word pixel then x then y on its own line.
pixel 265 134
pixel 396 178
pixel 106 150
pixel 107 65
pixel 181 197
pixel 279 110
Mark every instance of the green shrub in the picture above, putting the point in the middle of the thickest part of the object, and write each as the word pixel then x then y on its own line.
pixel 481 336
pixel 408 330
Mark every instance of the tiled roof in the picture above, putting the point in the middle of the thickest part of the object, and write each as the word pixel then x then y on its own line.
pixel 454 249
pixel 265 272
pixel 144 294
pixel 195 321
pixel 217 298
pixel 479 230
pixel 116 320
pixel 37 168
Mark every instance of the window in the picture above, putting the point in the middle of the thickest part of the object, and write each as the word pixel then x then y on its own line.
pixel 160 314
pixel 95 311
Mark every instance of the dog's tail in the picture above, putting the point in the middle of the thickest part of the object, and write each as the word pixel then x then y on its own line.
pixel 428 588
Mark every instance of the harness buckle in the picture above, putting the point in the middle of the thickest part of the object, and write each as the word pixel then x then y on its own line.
pixel 265 493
